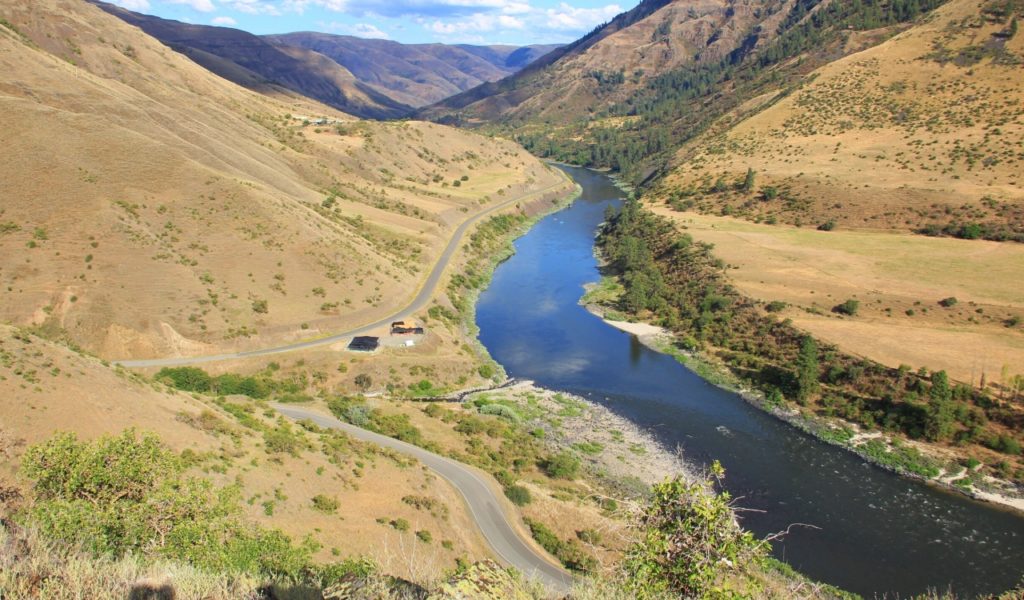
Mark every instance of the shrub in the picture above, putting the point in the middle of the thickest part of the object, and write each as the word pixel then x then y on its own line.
pixel 776 306
pixel 283 440
pixel 688 536
pixel 500 410
pixel 519 495
pixel 400 524
pixel 570 553
pixel 850 307
pixel 564 465
pixel 191 379
pixel 948 302
pixel 127 494
pixel 325 504
pixel 424 536
pixel 363 381
pixel 486 371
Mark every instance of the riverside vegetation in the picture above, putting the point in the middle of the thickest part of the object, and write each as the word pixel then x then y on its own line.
pixel 669 278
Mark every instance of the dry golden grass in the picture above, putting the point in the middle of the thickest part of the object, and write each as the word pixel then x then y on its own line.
pixel 45 388
pixel 150 208
pixel 889 137
pixel 890 274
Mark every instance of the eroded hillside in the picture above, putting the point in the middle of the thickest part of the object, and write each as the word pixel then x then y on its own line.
pixel 151 208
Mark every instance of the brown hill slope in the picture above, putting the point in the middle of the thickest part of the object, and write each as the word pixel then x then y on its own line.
pixel 919 133
pixel 46 388
pixel 150 208
pixel 416 74
pixel 629 94
pixel 613 62
pixel 253 62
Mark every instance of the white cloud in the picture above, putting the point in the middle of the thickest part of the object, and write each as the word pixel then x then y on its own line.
pixel 254 7
pixel 476 23
pixel 567 17
pixel 223 21
pixel 365 30
pixel 200 5
pixel 138 5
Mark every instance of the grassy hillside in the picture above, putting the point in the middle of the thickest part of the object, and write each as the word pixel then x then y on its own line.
pixel 153 209
pixel 629 94
pixel 920 133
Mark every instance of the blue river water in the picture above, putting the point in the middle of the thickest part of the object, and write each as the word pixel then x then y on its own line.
pixel 874 533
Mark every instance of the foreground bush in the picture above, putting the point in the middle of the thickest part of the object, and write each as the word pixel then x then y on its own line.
pixel 128 495
pixel 689 540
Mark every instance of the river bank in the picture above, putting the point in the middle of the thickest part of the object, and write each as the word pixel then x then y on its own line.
pixel 873 448
pixel 613 448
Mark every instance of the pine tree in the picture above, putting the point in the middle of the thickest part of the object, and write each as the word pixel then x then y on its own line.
pixel 940 419
pixel 807 370
pixel 748 182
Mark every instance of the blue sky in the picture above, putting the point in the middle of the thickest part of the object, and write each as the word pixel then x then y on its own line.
pixel 516 22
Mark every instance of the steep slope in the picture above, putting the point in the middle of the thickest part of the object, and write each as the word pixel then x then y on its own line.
pixel 46 388
pixel 151 208
pixel 416 74
pixel 253 62
pixel 630 93
pixel 919 133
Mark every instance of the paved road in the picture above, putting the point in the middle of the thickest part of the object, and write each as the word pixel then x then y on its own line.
pixel 419 301
pixel 483 503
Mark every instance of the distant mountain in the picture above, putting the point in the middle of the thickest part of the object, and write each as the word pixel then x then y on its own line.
pixel 630 93
pixel 257 64
pixel 416 74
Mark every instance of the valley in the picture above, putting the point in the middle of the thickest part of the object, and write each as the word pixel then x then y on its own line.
pixel 808 212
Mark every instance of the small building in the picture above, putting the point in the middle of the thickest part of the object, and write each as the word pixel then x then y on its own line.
pixel 364 343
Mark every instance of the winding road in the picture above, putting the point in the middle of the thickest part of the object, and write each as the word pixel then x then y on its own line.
pixel 419 301
pixel 484 506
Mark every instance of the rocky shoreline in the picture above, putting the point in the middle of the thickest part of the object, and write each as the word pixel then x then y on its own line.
pixel 611 446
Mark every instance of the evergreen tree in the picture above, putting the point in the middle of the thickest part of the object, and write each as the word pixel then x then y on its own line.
pixel 807 370
pixel 940 419
pixel 748 182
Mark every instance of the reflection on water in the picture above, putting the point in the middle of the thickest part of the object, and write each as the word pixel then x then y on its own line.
pixel 877 533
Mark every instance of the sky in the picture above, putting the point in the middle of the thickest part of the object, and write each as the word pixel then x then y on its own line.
pixel 517 22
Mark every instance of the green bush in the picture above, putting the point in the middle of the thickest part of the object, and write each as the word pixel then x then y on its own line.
pixel 564 465
pixel 325 504
pixel 568 552
pixel 424 536
pixel 191 379
pixel 849 307
pixel 948 302
pixel 519 495
pixel 500 410
pixel 689 536
pixel 127 494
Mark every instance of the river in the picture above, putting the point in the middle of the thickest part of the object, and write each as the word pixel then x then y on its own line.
pixel 876 532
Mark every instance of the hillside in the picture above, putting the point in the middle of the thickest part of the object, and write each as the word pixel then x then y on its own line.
pixel 47 388
pixel 416 74
pixel 259 65
pixel 920 133
pixel 629 94
pixel 179 213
